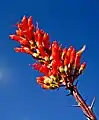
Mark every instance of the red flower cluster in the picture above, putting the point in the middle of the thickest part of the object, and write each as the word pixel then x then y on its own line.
pixel 59 66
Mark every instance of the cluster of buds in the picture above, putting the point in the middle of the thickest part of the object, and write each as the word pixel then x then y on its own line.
pixel 60 66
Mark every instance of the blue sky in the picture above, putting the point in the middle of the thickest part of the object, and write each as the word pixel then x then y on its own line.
pixel 72 22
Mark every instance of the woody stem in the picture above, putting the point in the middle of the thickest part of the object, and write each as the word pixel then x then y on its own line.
pixel 87 110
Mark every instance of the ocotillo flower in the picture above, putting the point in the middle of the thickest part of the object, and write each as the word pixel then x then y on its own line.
pixel 60 66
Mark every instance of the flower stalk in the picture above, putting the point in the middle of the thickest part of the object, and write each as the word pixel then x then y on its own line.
pixel 87 110
pixel 60 67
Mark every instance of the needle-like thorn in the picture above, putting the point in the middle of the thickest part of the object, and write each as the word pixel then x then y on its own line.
pixel 92 104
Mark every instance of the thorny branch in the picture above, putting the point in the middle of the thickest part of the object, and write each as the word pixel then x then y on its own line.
pixel 60 66
pixel 87 110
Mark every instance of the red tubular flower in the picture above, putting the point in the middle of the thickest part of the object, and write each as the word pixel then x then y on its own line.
pixel 82 67
pixel 54 68
pixel 39 39
pixel 56 53
pixel 18 38
pixel 42 52
pixel 44 69
pixel 72 56
pixel 67 56
pixel 40 80
pixel 66 61
pixel 46 40
pixel 23 49
pixel 24 23
pixel 19 49
pixel 63 53
pixel 30 21
pixel 30 32
pixel 55 48
pixel 69 51
pixel 77 61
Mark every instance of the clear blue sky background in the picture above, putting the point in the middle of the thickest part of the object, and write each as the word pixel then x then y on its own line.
pixel 72 22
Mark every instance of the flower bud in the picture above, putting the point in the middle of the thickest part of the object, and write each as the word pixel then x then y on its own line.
pixel 39 38
pixel 82 67
pixel 46 40
pixel 23 49
pixel 45 86
pixel 42 52
pixel 72 56
pixel 24 23
pixel 19 33
pixel 69 51
pixel 67 57
pixel 64 53
pixel 77 61
pixel 30 21
pixel 30 32
pixel 55 49
pixel 18 49
pixel 19 39
pixel 66 61
pixel 40 80
pixel 44 69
